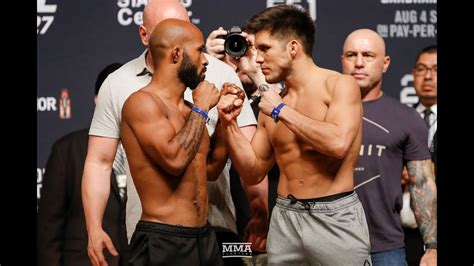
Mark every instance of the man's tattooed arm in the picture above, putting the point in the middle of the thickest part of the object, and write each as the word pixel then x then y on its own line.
pixel 424 198
pixel 190 136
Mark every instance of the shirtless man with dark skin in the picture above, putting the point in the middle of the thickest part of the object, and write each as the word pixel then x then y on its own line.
pixel 313 133
pixel 170 154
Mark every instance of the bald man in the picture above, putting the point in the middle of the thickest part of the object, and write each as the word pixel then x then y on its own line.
pixel 313 134
pixel 104 137
pixel 169 152
pixel 393 135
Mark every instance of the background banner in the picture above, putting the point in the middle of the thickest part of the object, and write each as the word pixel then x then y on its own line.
pixel 76 39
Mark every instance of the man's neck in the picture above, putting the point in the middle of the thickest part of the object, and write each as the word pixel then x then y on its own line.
pixel 428 103
pixel 168 87
pixel 298 78
pixel 372 94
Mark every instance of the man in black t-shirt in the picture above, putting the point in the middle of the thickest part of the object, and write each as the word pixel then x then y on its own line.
pixel 393 135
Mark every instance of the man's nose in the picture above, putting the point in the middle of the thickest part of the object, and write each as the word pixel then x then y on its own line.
pixel 429 74
pixel 259 58
pixel 359 60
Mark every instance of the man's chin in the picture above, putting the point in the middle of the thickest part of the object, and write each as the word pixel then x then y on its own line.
pixel 429 97
pixel 202 76
pixel 271 80
pixel 362 85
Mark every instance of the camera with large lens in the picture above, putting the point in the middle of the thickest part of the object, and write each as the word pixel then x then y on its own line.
pixel 235 44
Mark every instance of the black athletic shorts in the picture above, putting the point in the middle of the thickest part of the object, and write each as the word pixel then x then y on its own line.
pixel 163 244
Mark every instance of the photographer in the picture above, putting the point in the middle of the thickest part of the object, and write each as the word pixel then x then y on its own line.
pixel 215 45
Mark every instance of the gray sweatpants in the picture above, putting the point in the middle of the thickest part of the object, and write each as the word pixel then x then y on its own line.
pixel 319 233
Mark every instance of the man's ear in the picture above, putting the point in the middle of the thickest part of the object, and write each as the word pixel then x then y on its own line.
pixel 386 63
pixel 144 37
pixel 176 54
pixel 293 47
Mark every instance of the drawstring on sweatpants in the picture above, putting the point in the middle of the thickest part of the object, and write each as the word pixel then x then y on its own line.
pixel 294 200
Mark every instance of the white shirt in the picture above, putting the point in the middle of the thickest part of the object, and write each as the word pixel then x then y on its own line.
pixel 433 125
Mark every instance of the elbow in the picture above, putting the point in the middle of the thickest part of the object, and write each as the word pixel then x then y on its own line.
pixel 213 173
pixel 170 162
pixel 250 180
pixel 342 145
pixel 340 150
pixel 175 171
pixel 175 168
pixel 212 177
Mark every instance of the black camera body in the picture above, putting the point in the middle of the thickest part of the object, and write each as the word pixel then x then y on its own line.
pixel 235 44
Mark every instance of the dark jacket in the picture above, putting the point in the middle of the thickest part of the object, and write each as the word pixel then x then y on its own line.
pixel 61 230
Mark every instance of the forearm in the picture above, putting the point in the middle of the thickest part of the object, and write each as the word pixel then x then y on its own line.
pixel 183 146
pixel 257 196
pixel 326 138
pixel 218 154
pixel 242 155
pixel 95 192
pixel 190 136
pixel 424 198
pixel 256 76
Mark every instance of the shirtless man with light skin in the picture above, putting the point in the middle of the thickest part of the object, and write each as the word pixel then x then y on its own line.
pixel 313 133
pixel 170 154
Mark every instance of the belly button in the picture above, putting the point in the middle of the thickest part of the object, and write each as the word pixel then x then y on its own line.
pixel 301 182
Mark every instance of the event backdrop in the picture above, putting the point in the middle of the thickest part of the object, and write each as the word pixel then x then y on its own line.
pixel 76 39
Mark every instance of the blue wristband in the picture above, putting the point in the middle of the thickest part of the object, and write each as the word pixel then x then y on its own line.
pixel 276 112
pixel 201 112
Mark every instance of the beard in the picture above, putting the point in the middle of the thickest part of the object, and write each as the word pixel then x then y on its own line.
pixel 188 73
pixel 279 74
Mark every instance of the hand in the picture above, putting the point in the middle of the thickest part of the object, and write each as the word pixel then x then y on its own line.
pixel 269 100
pixel 231 103
pixel 214 45
pixel 99 240
pixel 248 63
pixel 429 258
pixel 257 229
pixel 206 95
pixel 230 88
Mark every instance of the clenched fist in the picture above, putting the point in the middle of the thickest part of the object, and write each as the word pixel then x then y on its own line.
pixel 206 95
pixel 231 102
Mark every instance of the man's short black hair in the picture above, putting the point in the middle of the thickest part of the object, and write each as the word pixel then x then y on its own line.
pixel 103 75
pixel 432 49
pixel 284 22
